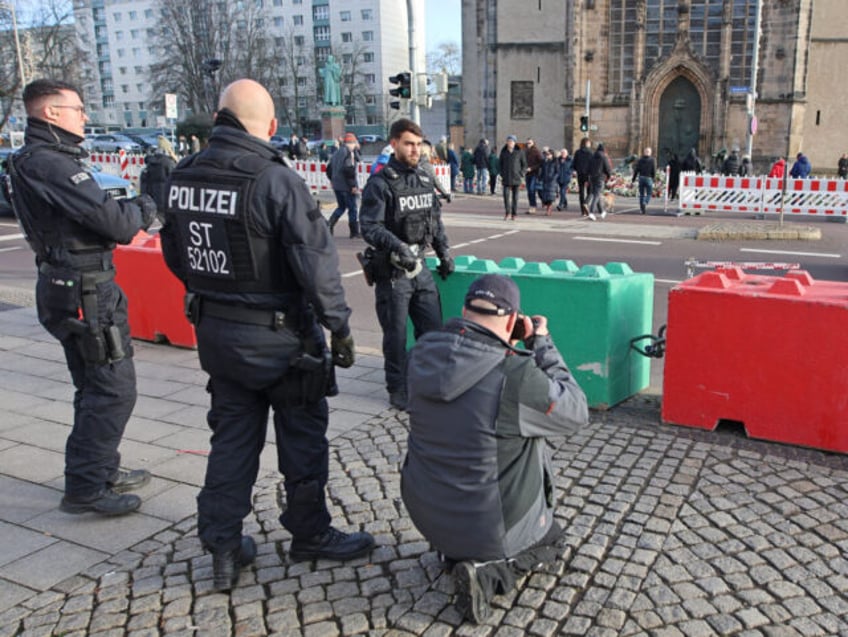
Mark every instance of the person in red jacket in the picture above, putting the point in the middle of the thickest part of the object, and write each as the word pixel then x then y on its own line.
pixel 778 168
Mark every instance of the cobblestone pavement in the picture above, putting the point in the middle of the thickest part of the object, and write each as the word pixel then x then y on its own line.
pixel 670 531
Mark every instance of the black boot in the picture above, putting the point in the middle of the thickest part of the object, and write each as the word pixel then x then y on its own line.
pixel 332 544
pixel 104 502
pixel 227 564
pixel 125 480
pixel 470 599
pixel 354 230
pixel 332 223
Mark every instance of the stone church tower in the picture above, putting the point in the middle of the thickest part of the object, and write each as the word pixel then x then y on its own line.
pixel 671 74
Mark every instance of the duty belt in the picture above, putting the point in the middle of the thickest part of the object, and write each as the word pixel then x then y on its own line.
pixel 239 314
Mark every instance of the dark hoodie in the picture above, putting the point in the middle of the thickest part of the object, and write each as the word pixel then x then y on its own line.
pixel 477 480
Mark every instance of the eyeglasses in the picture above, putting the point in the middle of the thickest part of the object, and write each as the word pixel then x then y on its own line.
pixel 79 109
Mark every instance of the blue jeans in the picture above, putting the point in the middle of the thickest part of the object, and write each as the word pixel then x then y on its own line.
pixel 482 180
pixel 468 185
pixel 530 183
pixel 346 201
pixel 563 196
pixel 646 188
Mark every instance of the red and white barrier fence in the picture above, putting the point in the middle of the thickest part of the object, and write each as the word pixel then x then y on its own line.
pixel 314 173
pixel 763 195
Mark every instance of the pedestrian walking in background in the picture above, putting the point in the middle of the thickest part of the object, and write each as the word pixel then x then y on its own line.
pixel 481 164
pixel 645 171
pixel 453 162
pixel 565 171
pixel 512 164
pixel 493 170
pixel 401 218
pixel 548 184
pixel 673 176
pixel 259 331
pixel 731 164
pixel 842 166
pixel 158 165
pixel 476 480
pixel 582 165
pixel 72 225
pixel 745 166
pixel 691 163
pixel 778 168
pixel 801 169
pixel 342 172
pixel 442 149
pixel 426 164
pixel 468 171
pixel 534 163
pixel 195 144
pixel 599 171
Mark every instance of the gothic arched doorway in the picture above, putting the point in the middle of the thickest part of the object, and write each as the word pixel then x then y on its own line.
pixel 680 120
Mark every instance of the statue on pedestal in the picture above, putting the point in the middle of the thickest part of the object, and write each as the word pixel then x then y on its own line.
pixel 332 74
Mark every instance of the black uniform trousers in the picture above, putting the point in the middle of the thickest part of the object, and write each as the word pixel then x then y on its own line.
pixel 397 299
pixel 105 393
pixel 241 395
pixel 583 190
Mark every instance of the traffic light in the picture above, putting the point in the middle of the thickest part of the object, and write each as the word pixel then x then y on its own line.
pixel 584 123
pixel 404 87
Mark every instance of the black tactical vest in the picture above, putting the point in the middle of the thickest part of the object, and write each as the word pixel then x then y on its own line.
pixel 220 248
pixel 411 218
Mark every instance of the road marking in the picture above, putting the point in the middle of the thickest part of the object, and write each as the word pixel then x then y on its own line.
pixel 647 243
pixel 669 281
pixel 10 249
pixel 500 235
pixel 823 255
pixel 11 237
pixel 347 275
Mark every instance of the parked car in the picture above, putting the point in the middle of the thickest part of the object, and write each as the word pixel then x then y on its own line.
pixel 114 142
pixel 116 186
pixel 370 139
pixel 279 142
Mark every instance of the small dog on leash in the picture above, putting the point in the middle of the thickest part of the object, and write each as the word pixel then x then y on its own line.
pixel 608 202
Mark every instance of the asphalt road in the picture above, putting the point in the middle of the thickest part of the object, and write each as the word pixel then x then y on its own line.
pixel 658 243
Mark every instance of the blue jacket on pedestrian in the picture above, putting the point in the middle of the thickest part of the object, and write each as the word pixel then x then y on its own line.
pixel 801 168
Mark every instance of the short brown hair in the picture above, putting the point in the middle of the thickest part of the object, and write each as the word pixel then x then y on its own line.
pixel 404 126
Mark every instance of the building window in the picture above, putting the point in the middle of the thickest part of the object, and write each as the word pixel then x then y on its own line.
pixel 344 16
pixel 278 21
pixel 278 3
pixel 297 20
pixel 368 57
pixel 370 99
pixel 116 17
pixel 521 100
pixel 108 101
pixel 301 81
pixel 299 40
pixel 322 53
pixel 125 88
pixel 622 34
pixel 279 42
pixel 120 53
pixel 347 37
pixel 367 14
pixel 133 34
pixel 367 36
pixel 119 35
pixel 148 13
pixel 139 88
pixel 138 70
pixel 122 70
pixel 127 106
pixel 347 58
pixel 300 60
pixel 321 12
pixel 133 15
pixel 370 78
pixel 297 1
pixel 321 33
pixel 141 106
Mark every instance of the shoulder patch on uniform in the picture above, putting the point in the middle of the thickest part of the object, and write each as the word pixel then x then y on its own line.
pixel 79 178
pixel 424 178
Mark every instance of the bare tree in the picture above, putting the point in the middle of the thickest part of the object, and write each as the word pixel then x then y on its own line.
pixel 295 84
pixel 205 45
pixel 446 58
pixel 49 48
pixel 354 85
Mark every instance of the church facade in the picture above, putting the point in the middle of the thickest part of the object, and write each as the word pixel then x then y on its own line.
pixel 670 74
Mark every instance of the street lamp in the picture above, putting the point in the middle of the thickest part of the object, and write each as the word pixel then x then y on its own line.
pixel 210 67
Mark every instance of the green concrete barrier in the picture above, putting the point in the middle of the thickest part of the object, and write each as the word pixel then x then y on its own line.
pixel 593 312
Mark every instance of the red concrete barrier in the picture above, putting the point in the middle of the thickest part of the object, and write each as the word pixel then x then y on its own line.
pixel 155 295
pixel 765 351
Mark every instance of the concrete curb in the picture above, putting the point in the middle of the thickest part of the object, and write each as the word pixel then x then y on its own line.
pixel 729 231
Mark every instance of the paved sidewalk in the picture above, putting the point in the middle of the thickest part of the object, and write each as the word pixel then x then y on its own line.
pixel 670 531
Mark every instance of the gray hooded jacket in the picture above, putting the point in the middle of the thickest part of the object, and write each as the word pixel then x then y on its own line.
pixel 477 480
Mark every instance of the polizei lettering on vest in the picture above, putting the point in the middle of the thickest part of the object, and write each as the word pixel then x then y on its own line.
pixel 416 202
pixel 193 199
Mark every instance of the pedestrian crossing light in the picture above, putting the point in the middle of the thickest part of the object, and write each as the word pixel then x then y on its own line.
pixel 403 89
pixel 584 123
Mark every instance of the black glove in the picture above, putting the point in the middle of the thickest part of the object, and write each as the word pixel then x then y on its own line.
pixel 448 197
pixel 445 267
pixel 406 258
pixel 148 210
pixel 342 350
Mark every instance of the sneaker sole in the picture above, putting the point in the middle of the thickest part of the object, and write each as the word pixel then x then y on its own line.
pixel 470 600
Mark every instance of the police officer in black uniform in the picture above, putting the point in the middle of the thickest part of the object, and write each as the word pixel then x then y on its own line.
pixel 261 271
pixel 400 217
pixel 72 226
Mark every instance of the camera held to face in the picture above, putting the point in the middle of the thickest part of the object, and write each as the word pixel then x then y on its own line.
pixel 519 332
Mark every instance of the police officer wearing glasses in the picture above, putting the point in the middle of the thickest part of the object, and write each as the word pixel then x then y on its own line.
pixel 244 234
pixel 72 225
pixel 400 217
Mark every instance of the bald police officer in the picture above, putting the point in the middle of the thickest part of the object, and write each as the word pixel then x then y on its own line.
pixel 261 272
pixel 72 226
pixel 400 217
